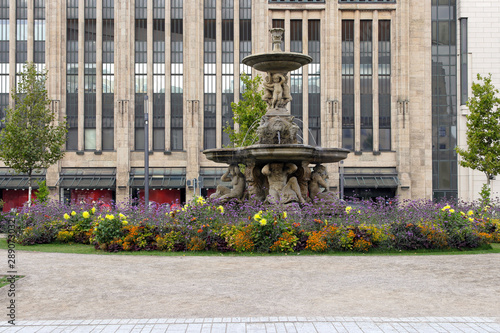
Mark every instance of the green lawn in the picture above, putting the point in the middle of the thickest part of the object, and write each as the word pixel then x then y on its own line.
pixel 4 282
pixel 89 249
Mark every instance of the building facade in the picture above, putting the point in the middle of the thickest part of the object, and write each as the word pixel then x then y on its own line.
pixel 368 88
pixel 478 45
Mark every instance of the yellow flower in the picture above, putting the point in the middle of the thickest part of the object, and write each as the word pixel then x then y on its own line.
pixel 470 213
pixel 66 216
pixel 93 210
pixel 109 217
pixel 462 213
pixel 200 200
pixel 348 209
pixel 258 216
pixel 122 216
pixel 73 213
pixel 471 219
pixel 263 222
pixel 452 211
pixel 124 222
pixel 284 215
pixel 220 209
pixel 85 215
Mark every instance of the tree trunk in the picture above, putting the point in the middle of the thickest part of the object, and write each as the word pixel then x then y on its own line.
pixel 29 188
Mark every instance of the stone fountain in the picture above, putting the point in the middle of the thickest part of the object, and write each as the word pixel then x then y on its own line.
pixel 277 167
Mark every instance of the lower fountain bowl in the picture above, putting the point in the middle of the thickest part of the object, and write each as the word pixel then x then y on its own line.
pixel 295 153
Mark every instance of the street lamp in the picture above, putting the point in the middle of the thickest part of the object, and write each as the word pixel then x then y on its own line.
pixel 146 153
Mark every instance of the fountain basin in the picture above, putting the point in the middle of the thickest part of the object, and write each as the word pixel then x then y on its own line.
pixel 282 153
pixel 277 62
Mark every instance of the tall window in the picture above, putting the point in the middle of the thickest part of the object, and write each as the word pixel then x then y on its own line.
pixel 209 71
pixel 348 84
pixel 384 84
pixel 227 67
pixel 108 77
pixel 314 71
pixel 39 33
pixel 4 59
pixel 177 71
pixel 159 81
pixel 444 98
pixel 141 80
pixel 90 77
pixel 366 79
pixel 296 87
pixel 245 34
pixel 72 74
pixel 21 36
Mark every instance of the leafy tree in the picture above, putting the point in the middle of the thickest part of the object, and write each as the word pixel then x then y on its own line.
pixel 483 131
pixel 42 194
pixel 247 112
pixel 31 139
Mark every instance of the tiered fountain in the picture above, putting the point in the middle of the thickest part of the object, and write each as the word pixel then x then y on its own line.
pixel 277 167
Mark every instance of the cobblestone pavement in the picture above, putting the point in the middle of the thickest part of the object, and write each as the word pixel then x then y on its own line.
pixel 100 293
pixel 266 325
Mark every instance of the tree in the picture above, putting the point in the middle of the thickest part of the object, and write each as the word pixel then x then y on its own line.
pixel 31 139
pixel 247 112
pixel 483 131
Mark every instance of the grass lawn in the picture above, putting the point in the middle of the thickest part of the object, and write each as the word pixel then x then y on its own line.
pixel 89 249
pixel 4 281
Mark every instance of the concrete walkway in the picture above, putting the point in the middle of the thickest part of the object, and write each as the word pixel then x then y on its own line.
pixel 83 293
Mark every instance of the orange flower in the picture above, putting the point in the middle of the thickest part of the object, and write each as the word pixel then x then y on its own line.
pixel 200 230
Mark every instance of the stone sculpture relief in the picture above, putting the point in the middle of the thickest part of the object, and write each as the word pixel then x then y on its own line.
pixel 276 90
pixel 237 179
pixel 282 189
pixel 319 178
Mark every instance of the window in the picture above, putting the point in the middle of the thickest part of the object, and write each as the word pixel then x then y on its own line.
pixel 296 86
pixel 314 71
pixel 227 68
pixel 141 80
pixel 177 72
pixel 90 87
pixel 159 82
pixel 384 84
pixel 108 83
pixel 209 68
pixel 348 84
pixel 72 83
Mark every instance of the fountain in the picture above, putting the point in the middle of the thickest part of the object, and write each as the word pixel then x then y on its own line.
pixel 277 166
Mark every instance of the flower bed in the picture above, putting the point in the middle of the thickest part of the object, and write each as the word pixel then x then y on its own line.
pixel 252 227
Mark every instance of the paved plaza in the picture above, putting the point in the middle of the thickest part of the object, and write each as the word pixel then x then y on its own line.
pixel 101 293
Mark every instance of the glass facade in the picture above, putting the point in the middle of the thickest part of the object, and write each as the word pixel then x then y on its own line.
pixel 444 99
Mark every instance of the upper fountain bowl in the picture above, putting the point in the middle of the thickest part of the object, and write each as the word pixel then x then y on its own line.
pixel 277 62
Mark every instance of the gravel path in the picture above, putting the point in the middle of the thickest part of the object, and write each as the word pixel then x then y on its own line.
pixel 76 286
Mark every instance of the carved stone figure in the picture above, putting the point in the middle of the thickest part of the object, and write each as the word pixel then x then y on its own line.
pixel 277 130
pixel 277 91
pixel 282 190
pixel 319 178
pixel 237 179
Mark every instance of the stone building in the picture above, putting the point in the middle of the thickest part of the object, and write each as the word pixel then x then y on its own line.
pixel 368 88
